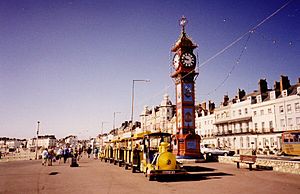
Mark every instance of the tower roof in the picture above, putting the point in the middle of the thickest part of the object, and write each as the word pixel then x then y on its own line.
pixel 184 40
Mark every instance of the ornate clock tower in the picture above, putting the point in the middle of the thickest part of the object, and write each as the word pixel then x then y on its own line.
pixel 187 143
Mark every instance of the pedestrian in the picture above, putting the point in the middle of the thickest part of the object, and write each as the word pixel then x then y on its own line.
pixel 79 153
pixel 59 154
pixel 44 156
pixel 89 151
pixel 66 154
pixel 50 156
pixel 96 153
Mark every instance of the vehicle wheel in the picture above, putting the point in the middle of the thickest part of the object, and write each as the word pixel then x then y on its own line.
pixel 151 178
pixel 133 170
pixel 126 167
pixel 120 164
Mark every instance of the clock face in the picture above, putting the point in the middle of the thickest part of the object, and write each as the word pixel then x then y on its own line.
pixel 188 59
pixel 176 60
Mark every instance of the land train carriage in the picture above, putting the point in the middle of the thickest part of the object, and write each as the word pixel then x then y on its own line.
pixel 119 153
pixel 108 152
pixel 133 152
pixel 157 158
pixel 150 153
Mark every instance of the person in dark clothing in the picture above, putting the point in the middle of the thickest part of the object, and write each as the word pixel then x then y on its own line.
pixel 66 154
pixel 89 151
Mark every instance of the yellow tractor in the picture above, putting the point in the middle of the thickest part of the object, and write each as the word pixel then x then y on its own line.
pixel 157 158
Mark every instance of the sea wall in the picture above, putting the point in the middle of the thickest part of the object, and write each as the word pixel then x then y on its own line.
pixel 276 165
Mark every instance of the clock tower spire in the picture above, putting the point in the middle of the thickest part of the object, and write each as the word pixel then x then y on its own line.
pixel 187 143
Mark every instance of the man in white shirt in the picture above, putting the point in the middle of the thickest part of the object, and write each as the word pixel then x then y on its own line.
pixel 44 156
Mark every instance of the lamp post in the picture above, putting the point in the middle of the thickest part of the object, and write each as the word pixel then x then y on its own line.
pixel 37 138
pixel 102 123
pixel 115 119
pixel 132 104
pixel 132 97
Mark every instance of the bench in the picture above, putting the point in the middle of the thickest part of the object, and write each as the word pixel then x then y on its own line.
pixel 247 159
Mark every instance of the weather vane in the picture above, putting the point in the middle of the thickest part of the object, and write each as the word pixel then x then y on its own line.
pixel 183 21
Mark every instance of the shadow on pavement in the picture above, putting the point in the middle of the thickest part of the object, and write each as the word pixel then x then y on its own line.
pixel 197 169
pixel 195 173
pixel 53 173
pixel 193 177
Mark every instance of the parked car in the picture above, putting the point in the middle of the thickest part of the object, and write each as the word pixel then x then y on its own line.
pixel 211 150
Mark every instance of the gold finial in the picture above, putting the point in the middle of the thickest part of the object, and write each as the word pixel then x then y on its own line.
pixel 183 21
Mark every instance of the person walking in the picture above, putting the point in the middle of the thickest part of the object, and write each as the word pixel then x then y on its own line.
pixel 66 154
pixel 59 154
pixel 44 156
pixel 89 151
pixel 96 153
pixel 50 157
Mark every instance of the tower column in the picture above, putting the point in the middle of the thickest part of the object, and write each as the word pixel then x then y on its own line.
pixel 187 143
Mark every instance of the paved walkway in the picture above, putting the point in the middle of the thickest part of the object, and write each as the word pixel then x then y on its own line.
pixel 94 176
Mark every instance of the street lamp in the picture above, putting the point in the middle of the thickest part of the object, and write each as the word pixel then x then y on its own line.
pixel 115 119
pixel 37 138
pixel 132 96
pixel 102 123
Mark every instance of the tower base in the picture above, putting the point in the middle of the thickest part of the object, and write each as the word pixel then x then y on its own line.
pixel 188 146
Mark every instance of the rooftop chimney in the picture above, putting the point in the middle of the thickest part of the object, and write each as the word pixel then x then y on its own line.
pixel 225 100
pixel 241 94
pixel 284 83
pixel 262 86
pixel 277 88
pixel 203 105
pixel 211 107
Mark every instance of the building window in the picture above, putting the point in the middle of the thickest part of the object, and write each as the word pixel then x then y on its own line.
pixel 290 122
pixel 269 110
pixel 240 112
pixel 298 120
pixel 282 124
pixel 289 108
pixel 248 142
pixel 263 125
pixel 258 99
pixel 247 126
pixel 281 110
pixel 297 107
pixel 284 93
pixel 242 143
pixel 254 113
pixel 255 126
pixel 246 111
pixel 272 141
pixel 271 124
pixel 261 112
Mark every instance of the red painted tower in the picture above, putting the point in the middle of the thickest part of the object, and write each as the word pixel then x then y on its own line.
pixel 187 143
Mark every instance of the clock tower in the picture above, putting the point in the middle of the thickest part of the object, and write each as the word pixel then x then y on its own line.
pixel 186 143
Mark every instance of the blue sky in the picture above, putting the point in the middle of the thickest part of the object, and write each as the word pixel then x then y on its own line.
pixel 70 64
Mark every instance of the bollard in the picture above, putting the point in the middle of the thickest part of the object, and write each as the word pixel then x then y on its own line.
pixel 74 162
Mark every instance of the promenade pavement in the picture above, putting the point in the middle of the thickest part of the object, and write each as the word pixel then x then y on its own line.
pixel 94 176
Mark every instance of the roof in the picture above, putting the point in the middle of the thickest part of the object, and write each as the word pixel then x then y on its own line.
pixel 183 41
